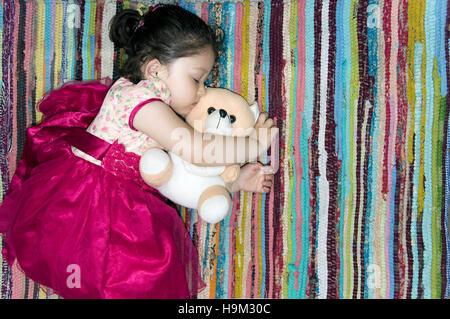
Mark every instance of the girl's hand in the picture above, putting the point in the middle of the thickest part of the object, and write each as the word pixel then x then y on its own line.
pixel 254 177
pixel 265 131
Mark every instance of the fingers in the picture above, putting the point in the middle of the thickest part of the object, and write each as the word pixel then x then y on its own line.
pixel 266 186
pixel 261 119
pixel 264 121
pixel 264 132
pixel 267 170
pixel 267 182
pixel 268 123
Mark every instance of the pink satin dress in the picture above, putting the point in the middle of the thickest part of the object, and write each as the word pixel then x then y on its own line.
pixel 88 230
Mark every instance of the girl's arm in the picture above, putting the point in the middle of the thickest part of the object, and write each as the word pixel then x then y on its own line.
pixel 162 124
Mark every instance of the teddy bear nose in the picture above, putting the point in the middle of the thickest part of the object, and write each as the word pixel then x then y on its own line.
pixel 223 113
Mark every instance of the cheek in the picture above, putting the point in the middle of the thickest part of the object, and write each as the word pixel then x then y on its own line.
pixel 184 92
pixel 192 91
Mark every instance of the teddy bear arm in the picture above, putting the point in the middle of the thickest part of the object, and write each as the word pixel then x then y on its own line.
pixel 155 166
pixel 231 173
pixel 203 170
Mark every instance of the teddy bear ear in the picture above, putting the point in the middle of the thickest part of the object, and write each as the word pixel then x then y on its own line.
pixel 255 110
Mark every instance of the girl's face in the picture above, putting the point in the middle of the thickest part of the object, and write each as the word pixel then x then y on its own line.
pixel 185 78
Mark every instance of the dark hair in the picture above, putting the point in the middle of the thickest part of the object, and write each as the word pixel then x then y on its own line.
pixel 165 33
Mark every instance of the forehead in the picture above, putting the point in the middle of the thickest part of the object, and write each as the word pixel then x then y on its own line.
pixel 202 61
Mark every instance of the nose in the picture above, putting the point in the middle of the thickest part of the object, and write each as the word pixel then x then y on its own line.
pixel 201 90
pixel 223 113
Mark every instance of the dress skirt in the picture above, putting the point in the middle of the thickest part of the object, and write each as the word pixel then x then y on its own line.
pixel 91 231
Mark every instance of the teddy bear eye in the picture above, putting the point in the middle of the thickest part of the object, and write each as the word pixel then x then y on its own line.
pixel 211 109
pixel 232 118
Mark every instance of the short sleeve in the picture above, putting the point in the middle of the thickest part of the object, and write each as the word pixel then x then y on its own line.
pixel 137 108
pixel 133 97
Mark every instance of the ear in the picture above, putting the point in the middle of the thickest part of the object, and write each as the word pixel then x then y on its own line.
pixel 255 110
pixel 152 68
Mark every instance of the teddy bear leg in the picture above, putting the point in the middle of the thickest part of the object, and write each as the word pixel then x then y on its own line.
pixel 155 166
pixel 214 204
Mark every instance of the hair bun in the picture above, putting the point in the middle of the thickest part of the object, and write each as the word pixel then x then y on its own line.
pixel 122 27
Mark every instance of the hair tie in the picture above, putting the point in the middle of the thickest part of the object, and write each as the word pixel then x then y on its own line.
pixel 142 19
pixel 140 24
pixel 153 8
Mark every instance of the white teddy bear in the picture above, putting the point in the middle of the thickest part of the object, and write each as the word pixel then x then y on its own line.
pixel 220 111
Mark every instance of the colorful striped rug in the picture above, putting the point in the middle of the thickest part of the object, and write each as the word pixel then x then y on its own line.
pixel 359 208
